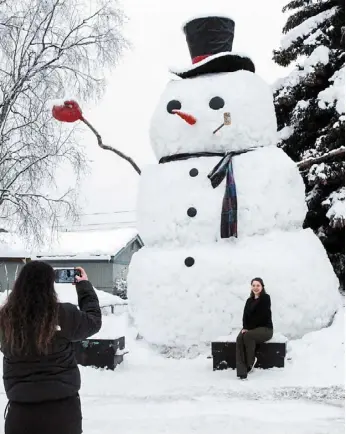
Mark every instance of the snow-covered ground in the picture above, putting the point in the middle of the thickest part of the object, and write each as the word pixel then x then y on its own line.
pixel 151 394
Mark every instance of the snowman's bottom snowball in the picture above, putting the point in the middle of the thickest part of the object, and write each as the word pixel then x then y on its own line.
pixel 179 306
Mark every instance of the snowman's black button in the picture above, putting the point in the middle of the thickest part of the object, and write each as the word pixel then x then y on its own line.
pixel 193 172
pixel 192 212
pixel 189 261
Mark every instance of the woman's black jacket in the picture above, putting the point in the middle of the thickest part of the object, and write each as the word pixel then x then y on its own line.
pixel 257 312
pixel 38 378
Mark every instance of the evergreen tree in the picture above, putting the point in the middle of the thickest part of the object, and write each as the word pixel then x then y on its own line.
pixel 310 108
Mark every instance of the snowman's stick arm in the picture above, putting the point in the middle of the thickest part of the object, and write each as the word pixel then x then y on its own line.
pixel 110 148
pixel 304 164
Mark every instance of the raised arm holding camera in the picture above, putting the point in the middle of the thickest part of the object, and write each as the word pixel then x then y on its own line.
pixel 40 372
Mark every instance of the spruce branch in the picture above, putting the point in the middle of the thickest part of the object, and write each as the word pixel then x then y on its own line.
pixel 310 161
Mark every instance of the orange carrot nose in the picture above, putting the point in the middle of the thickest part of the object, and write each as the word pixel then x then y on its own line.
pixel 187 118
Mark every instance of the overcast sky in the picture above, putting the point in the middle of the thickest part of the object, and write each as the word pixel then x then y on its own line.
pixel 123 115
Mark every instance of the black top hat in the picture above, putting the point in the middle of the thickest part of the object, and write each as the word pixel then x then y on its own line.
pixel 210 41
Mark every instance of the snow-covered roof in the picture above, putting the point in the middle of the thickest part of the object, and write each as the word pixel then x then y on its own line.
pixel 88 245
pixel 11 247
pixel 81 245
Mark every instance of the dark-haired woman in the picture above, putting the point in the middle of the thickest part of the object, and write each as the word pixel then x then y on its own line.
pixel 40 373
pixel 257 327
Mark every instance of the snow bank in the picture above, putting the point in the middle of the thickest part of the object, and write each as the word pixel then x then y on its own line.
pixel 67 294
pixel 246 97
pixel 178 306
pixel 270 195
pixel 306 27
pixel 113 327
pixel 320 353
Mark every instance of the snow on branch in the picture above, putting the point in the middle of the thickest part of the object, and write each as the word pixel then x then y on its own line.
pixel 306 27
pixel 320 56
pixel 336 204
pixel 335 93
pixel 304 164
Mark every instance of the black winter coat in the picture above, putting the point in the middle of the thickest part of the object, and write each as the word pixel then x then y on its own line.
pixel 257 312
pixel 39 378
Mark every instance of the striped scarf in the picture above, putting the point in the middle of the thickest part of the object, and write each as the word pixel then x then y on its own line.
pixel 229 212
pixel 223 169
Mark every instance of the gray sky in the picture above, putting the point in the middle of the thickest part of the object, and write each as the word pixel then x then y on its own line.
pixel 123 115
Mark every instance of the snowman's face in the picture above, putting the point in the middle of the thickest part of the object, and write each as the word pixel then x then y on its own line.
pixel 190 110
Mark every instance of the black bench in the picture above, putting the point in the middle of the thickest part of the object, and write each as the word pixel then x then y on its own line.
pixel 269 354
pixel 100 353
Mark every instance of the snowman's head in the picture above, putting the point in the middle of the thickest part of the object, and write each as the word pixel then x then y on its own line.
pixel 190 110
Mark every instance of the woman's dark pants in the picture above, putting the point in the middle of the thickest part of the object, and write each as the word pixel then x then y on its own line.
pixel 246 346
pixel 51 417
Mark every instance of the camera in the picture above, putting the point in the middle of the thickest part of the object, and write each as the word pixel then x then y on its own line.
pixel 66 275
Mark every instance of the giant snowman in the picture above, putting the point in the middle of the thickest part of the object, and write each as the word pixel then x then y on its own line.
pixel 222 207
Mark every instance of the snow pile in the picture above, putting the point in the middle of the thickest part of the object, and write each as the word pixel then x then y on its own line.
pixel 320 353
pixel 88 244
pixel 181 306
pixel 246 97
pixel 336 207
pixel 306 27
pixel 263 204
pixel 67 294
pixel 335 93
pixel 113 327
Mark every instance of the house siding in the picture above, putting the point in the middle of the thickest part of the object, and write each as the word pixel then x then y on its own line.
pixel 13 267
pixel 100 273
pixel 123 258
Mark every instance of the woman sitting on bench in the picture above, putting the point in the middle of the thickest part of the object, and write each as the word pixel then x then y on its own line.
pixel 257 327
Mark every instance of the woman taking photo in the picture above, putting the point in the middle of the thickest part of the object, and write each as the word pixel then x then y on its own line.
pixel 257 327
pixel 40 372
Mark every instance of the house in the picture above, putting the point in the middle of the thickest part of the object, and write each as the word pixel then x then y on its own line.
pixel 11 261
pixel 105 255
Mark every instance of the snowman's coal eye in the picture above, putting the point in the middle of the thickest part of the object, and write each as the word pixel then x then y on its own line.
pixel 173 105
pixel 216 103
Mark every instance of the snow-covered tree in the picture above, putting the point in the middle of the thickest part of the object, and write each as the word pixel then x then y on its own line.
pixel 48 49
pixel 310 106
pixel 120 284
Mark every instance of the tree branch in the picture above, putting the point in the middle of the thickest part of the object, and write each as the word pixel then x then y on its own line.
pixel 110 148
pixel 310 161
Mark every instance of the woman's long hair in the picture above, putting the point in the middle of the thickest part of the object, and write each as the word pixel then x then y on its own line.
pixel 29 318
pixel 260 280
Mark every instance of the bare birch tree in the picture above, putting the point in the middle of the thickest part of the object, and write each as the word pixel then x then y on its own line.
pixel 48 48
